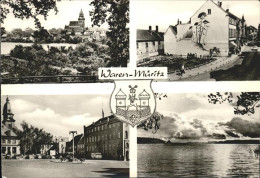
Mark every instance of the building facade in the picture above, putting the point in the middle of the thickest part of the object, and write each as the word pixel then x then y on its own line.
pixel 149 43
pixel 76 27
pixel 210 27
pixel 107 136
pixel 9 141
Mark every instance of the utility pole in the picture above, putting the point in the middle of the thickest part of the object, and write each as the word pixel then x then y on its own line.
pixel 73 132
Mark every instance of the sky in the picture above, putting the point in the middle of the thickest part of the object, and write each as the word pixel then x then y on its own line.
pixel 166 12
pixel 58 114
pixel 191 116
pixel 68 11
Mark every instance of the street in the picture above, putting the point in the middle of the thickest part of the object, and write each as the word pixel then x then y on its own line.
pixel 54 168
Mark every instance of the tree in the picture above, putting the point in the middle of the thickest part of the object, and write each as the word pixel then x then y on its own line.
pixel 42 35
pixel 258 34
pixel 246 102
pixel 116 14
pixel 153 122
pixel 32 139
pixel 3 31
pixel 28 9
pixel 201 26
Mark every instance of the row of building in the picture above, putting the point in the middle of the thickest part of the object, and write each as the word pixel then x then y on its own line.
pixel 107 136
pixel 210 27
pixel 75 29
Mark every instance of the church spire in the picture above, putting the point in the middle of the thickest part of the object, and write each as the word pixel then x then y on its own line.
pixel 7 114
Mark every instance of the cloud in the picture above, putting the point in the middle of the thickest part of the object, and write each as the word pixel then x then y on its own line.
pixel 246 128
pixel 176 126
pixel 19 105
pixel 82 119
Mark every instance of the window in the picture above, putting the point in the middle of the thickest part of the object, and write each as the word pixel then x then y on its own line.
pixel 98 138
pixel 137 45
pixel 3 140
pixel 95 129
pixel 101 127
pixel 153 43
pixel 126 135
pixel 109 126
pixel 87 148
pixel 118 134
pixel 110 136
pixel 98 128
pixel 159 43
pixel 8 141
pixel 146 45
pixel 13 141
pixel 209 11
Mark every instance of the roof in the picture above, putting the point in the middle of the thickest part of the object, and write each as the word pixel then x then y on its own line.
pixel 7 132
pixel 174 29
pixel 74 23
pixel 105 120
pixel 76 140
pixel 120 94
pixel 144 94
pixel 229 13
pixel 146 35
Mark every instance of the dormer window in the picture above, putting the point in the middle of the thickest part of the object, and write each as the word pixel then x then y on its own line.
pixel 209 11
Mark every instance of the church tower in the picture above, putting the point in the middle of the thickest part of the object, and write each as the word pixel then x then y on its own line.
pixel 8 119
pixel 81 19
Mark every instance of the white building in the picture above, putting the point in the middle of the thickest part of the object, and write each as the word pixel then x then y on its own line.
pixel 149 43
pixel 210 27
pixel 10 143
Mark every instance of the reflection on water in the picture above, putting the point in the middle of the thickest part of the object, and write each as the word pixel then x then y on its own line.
pixel 219 160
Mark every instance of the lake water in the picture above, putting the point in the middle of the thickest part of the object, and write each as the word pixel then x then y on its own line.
pixel 6 47
pixel 209 160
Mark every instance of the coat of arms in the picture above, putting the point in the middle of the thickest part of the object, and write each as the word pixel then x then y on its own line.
pixel 133 101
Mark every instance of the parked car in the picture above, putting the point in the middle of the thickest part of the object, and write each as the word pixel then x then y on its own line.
pixel 96 155
pixel 38 156
pixel 31 157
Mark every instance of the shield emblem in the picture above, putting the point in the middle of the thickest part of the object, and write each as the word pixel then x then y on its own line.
pixel 133 101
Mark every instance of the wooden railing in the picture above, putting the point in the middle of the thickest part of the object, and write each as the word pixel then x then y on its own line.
pixel 52 79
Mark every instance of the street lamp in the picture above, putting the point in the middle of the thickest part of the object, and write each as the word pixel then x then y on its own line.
pixel 73 132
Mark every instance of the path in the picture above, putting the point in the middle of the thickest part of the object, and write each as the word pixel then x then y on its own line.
pixel 203 72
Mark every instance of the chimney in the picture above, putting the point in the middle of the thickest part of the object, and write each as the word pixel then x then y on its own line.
pixel 180 22
pixel 227 10
pixel 220 4
pixel 150 28
pixel 157 28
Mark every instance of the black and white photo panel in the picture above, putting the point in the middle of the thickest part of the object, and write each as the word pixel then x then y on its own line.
pixel 203 40
pixel 201 135
pixel 49 41
pixel 62 136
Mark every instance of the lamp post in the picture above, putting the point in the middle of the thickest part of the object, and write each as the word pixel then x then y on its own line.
pixel 73 132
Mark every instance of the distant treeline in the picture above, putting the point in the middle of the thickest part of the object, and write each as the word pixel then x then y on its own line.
pixel 145 140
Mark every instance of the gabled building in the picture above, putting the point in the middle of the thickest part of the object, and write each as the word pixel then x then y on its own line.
pixel 149 42
pixel 9 140
pixel 107 136
pixel 210 27
pixel 76 27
